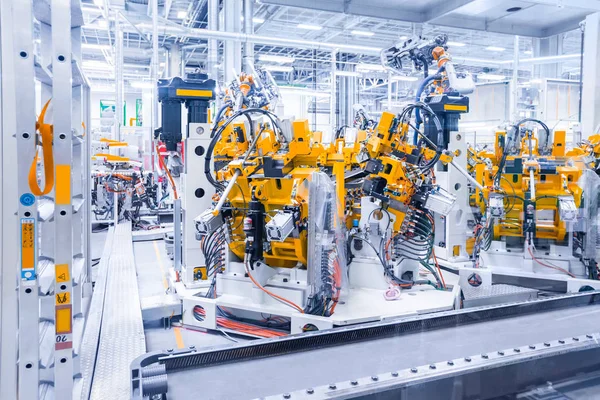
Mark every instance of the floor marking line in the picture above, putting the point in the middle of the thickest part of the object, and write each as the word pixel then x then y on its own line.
pixel 160 264
pixel 178 337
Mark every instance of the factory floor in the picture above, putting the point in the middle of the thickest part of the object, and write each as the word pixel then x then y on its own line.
pixel 152 265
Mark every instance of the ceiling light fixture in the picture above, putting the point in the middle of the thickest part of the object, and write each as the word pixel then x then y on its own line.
pixel 274 58
pixel 141 84
pixel 257 20
pixel 405 78
pixel 528 52
pixel 403 37
pixel 362 33
pixel 494 48
pixel 303 92
pixel 369 67
pixel 310 27
pixel 491 77
pixel 347 73
pixel 278 68
pixel 182 14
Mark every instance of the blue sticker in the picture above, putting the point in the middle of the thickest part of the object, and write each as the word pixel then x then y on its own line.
pixel 27 199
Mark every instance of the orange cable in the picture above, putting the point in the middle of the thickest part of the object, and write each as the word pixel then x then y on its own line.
pixel 550 266
pixel 438 267
pixel 288 302
pixel 162 164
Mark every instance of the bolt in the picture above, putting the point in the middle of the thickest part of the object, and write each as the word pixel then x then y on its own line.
pixel 169 350
pixel 450 363
pixel 588 336
pixel 432 366
pixel 310 391
pixel 332 386
pixel 374 378
pixel 516 350
pixel 192 347
pixel 547 344
pixel 413 370
pixel 485 356
pixel 500 353
pixel 576 339
pixel 354 383
pixel 287 395
pixel 532 347
pixel 468 359
pixel 394 374
pixel 561 341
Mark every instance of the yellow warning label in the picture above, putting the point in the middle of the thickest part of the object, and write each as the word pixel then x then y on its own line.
pixel 27 244
pixel 63 320
pixel 63 298
pixel 193 93
pixel 62 273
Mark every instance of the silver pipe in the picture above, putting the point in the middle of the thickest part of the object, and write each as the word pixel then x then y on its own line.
pixel 226 193
pixel 467 175
pixel 248 30
pixel 170 28
pixel 515 81
pixel 532 184
pixel 213 44
pixel 154 74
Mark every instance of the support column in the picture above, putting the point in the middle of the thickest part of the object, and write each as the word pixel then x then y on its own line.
pixel 590 104
pixel 333 98
pixel 213 44
pixel 232 60
pixel 154 74
pixel 514 98
pixel 545 47
pixel 118 59
pixel 174 61
pixel 248 30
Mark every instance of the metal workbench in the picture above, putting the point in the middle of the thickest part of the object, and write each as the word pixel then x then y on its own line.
pixel 492 350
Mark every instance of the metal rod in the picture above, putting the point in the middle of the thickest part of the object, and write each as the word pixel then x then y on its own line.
pixel 248 30
pixel 213 44
pixel 467 175
pixel 226 193
pixel 333 97
pixel 177 235
pixel 154 68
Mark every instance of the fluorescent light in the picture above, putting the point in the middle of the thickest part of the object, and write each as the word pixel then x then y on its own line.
pixel 95 46
pixel 494 48
pixel 405 78
pixel 535 81
pixel 362 33
pixel 91 64
pixel 528 52
pixel 182 14
pixel 303 92
pixel 279 59
pixel 141 84
pixel 403 37
pixel 370 67
pixel 135 65
pixel 102 23
pixel 279 68
pixel 347 73
pixel 257 20
pixel 551 58
pixel 99 3
pixel 310 27
pixel 456 44
pixel 491 77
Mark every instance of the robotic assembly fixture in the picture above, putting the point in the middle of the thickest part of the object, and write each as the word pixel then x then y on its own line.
pixel 316 235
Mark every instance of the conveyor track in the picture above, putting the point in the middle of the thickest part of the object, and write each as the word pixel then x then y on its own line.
pixel 268 367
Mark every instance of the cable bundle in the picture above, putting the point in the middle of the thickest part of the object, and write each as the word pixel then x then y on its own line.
pixel 213 249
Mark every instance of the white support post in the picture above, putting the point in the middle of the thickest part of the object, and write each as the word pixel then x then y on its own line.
pixel 63 209
pixel 118 59
pixel 26 232
pixel 154 73
pixel 213 44
pixel 514 98
pixel 249 30
pixel 333 98
pixel 590 101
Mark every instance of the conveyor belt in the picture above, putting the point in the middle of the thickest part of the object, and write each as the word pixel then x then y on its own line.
pixel 268 367
pixel 122 336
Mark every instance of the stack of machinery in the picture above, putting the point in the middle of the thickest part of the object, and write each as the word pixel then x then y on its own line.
pixel 283 232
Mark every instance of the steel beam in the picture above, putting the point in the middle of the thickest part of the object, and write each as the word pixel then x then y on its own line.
pixel 590 114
